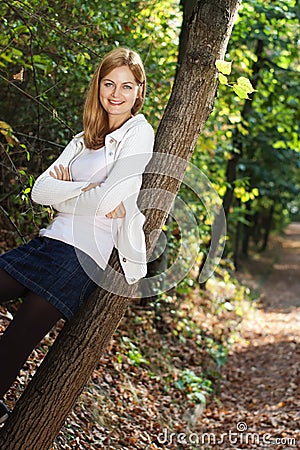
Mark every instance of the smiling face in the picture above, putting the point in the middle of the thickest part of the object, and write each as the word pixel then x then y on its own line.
pixel 118 93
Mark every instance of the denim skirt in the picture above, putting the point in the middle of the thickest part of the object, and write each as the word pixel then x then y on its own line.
pixel 52 269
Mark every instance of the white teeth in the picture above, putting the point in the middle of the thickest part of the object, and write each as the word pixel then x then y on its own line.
pixel 115 103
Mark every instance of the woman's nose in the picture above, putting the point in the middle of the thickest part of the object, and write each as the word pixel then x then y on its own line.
pixel 116 91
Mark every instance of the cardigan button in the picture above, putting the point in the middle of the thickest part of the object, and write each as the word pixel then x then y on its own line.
pixel 124 259
pixel 110 153
pixel 111 141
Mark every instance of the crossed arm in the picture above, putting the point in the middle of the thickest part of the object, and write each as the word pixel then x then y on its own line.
pixel 62 173
pixel 107 198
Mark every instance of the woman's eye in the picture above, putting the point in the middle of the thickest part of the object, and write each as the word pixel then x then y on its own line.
pixel 108 84
pixel 127 86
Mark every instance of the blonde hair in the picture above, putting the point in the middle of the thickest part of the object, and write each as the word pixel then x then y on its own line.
pixel 95 118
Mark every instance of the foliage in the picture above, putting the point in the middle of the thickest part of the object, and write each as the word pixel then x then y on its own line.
pixel 49 51
pixel 132 352
pixel 46 62
pixel 243 85
pixel 196 386
pixel 262 126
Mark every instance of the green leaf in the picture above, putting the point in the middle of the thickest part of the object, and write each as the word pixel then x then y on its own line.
pixel 223 66
pixel 223 79
pixel 240 92
pixel 245 84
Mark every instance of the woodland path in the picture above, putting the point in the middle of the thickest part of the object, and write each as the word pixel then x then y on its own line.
pixel 260 393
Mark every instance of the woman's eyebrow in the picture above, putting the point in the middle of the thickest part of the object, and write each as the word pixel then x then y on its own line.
pixel 123 82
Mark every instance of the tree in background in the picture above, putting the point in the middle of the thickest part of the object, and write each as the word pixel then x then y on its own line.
pixel 250 146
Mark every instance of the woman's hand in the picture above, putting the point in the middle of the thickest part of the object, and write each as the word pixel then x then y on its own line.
pixel 118 213
pixel 61 173
pixel 90 186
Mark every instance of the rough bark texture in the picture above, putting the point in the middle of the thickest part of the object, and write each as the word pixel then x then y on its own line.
pixel 187 9
pixel 44 406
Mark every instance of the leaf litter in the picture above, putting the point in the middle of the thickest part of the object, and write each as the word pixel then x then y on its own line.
pixel 132 401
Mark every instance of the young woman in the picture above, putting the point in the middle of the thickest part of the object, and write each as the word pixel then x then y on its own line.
pixel 93 186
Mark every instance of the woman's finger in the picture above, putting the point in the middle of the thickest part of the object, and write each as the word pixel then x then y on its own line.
pixel 118 213
pixel 90 186
pixel 122 209
pixel 58 173
pixel 64 172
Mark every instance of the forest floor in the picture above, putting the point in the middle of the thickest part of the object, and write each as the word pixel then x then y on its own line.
pixel 260 395
pixel 138 397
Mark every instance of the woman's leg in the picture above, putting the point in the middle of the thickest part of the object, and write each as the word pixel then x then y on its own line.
pixel 10 289
pixel 34 319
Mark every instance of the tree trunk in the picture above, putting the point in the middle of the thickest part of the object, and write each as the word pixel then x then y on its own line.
pixel 268 227
pixel 50 396
pixel 187 9
pixel 237 242
pixel 247 229
pixel 159 265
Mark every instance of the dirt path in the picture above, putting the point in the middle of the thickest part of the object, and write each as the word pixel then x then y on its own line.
pixel 260 394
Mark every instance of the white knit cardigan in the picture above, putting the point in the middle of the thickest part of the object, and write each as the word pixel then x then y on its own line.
pixel 128 151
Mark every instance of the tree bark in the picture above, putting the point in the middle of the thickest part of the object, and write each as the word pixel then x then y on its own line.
pixel 50 396
pixel 160 264
pixel 187 9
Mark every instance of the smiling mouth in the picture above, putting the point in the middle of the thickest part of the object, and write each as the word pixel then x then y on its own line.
pixel 115 103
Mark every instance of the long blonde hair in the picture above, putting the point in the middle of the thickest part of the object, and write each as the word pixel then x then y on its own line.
pixel 95 118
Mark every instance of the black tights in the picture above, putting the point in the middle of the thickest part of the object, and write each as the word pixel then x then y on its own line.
pixel 34 319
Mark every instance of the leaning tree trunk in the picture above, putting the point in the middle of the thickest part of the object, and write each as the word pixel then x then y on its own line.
pixel 187 9
pixel 50 396
pixel 159 265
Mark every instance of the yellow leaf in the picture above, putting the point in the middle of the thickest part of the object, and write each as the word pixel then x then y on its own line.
pixel 223 66
pixel 223 79
pixel 240 91
pixel 6 130
pixel 245 84
pixel 19 76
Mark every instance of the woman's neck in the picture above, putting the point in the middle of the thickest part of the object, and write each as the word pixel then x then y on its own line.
pixel 115 122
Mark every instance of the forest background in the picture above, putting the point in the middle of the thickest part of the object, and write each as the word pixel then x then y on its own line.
pixel 249 150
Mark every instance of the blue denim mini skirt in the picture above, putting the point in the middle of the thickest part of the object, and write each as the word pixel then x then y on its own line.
pixel 52 269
